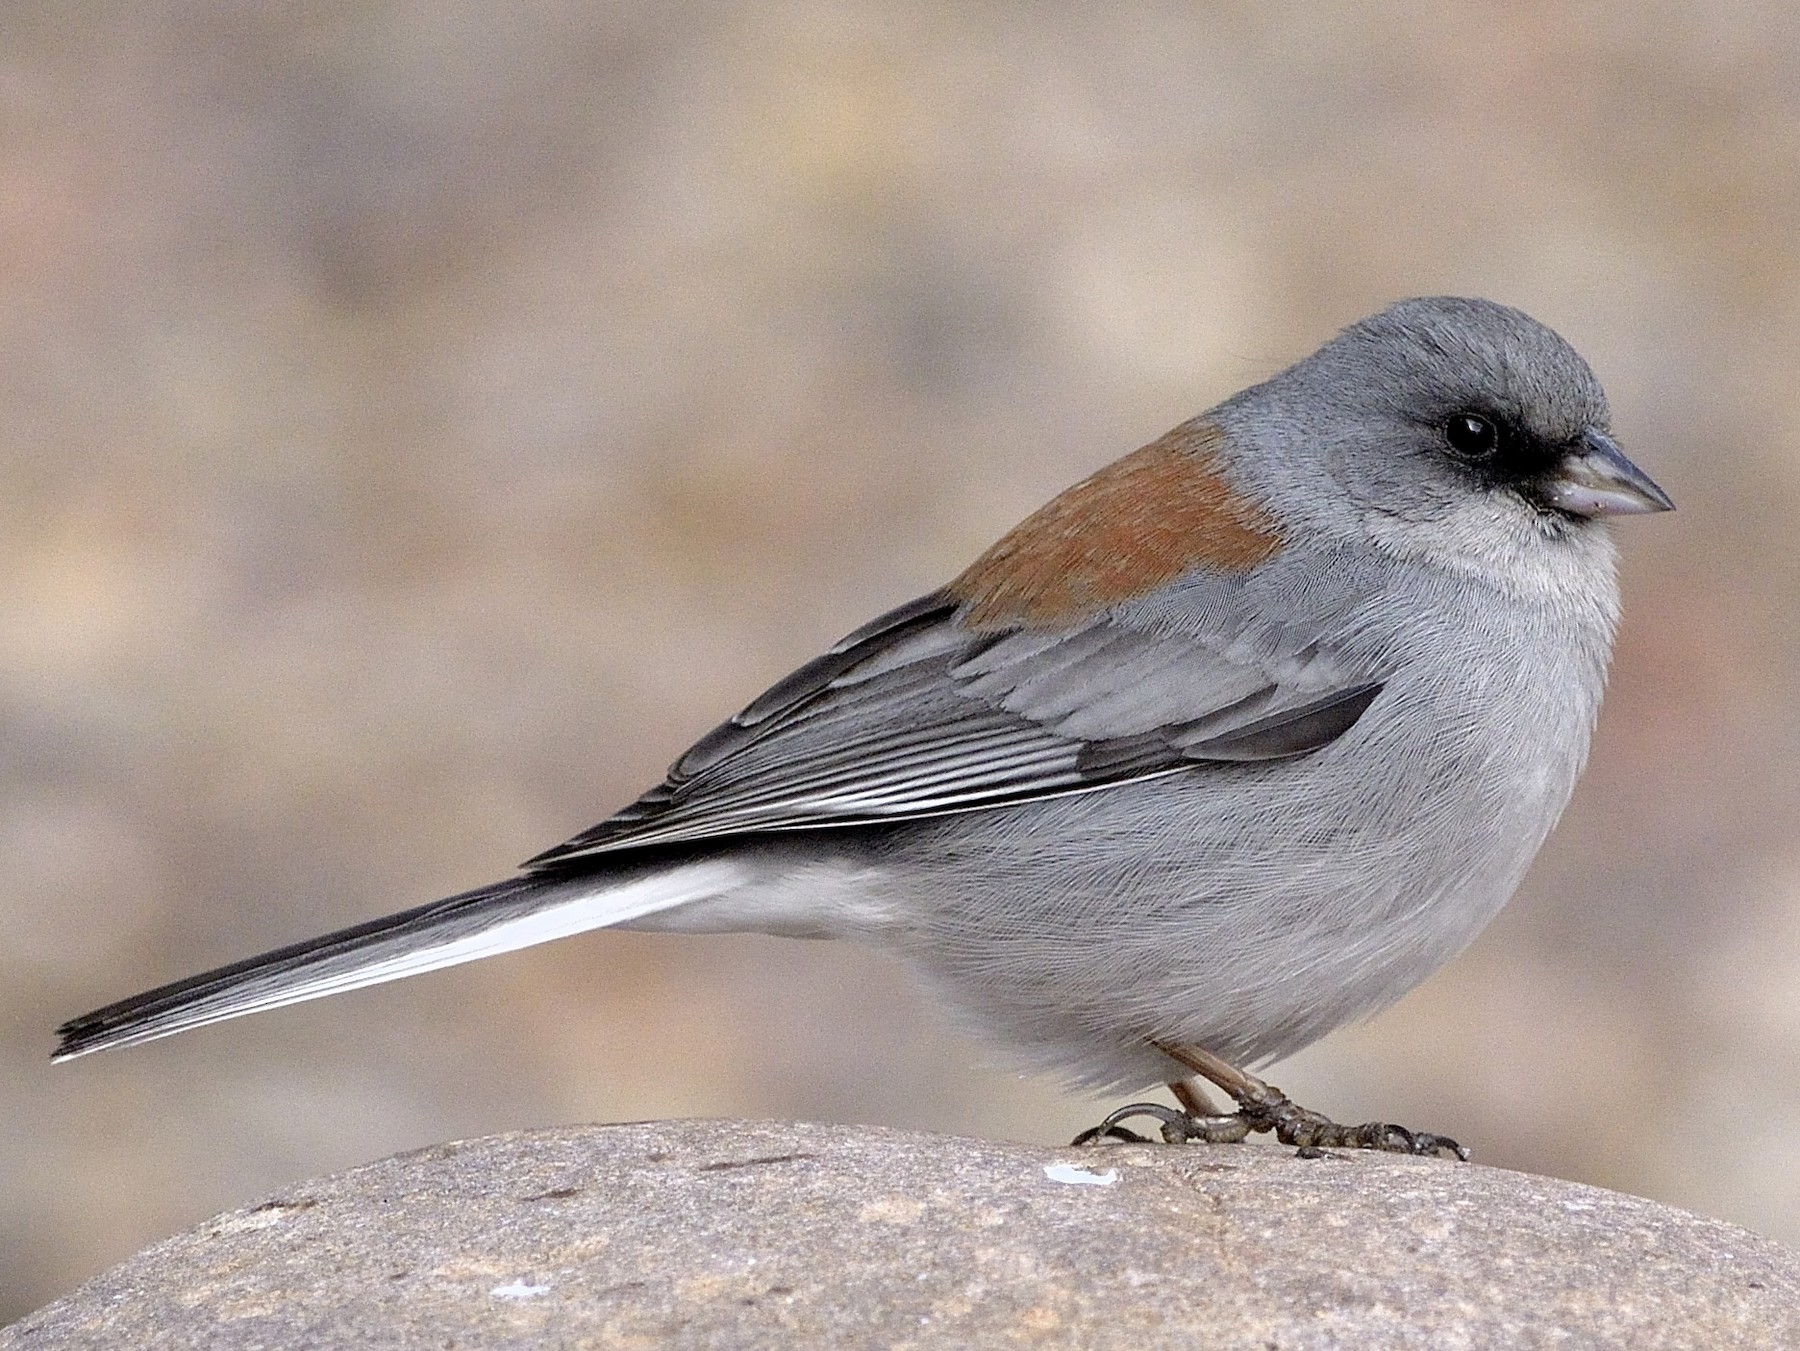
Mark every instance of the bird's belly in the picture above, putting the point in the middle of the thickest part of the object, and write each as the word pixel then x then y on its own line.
pixel 1249 910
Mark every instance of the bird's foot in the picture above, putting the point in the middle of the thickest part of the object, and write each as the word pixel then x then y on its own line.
pixel 1269 1109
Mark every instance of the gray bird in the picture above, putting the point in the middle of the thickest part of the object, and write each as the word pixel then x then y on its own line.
pixel 1232 743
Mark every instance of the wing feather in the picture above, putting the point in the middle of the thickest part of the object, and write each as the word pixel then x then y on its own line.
pixel 915 715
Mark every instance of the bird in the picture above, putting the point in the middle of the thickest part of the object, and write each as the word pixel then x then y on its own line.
pixel 1231 743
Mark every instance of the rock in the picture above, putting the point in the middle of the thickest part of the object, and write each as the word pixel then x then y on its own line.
pixel 743 1235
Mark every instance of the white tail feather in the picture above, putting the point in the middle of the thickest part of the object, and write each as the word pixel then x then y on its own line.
pixel 580 905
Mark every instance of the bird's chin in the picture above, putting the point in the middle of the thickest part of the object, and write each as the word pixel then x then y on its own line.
pixel 1553 522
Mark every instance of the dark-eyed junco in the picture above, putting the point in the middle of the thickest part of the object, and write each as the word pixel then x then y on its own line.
pixel 1233 742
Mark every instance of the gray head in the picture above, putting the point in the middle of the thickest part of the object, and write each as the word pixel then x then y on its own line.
pixel 1458 417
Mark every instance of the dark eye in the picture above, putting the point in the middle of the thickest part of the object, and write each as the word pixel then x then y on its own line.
pixel 1472 436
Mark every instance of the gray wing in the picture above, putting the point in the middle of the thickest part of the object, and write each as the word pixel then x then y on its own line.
pixel 914 715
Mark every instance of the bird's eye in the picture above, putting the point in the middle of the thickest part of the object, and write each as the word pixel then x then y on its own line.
pixel 1472 436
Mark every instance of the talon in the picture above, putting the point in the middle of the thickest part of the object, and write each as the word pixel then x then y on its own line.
pixel 1119 1133
pixel 1433 1145
pixel 1174 1125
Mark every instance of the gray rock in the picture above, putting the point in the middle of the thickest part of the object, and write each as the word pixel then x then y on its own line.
pixel 743 1235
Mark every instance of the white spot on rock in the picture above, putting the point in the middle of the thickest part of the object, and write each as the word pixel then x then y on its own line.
pixel 519 1290
pixel 1075 1175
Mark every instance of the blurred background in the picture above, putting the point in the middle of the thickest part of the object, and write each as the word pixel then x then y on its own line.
pixel 418 421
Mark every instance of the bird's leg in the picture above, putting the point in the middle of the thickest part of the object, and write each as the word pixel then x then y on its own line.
pixel 1193 1098
pixel 1263 1107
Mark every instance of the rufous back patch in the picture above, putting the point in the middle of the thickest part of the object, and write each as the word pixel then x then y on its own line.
pixel 1137 524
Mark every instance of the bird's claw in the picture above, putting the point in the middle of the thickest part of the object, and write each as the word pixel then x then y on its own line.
pixel 1112 1127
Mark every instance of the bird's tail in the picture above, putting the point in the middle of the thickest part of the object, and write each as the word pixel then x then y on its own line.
pixel 500 918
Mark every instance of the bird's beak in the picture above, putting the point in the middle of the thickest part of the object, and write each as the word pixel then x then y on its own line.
pixel 1595 479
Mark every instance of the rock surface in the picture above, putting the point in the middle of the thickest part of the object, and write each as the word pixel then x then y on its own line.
pixel 745 1235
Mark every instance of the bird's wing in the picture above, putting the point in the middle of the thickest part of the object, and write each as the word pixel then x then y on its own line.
pixel 917 715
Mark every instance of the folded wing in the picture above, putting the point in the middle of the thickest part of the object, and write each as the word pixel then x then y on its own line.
pixel 916 715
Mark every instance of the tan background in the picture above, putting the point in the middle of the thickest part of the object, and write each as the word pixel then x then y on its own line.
pixel 418 421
